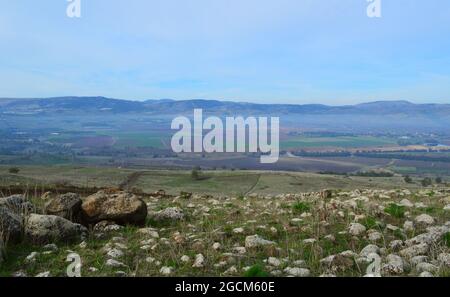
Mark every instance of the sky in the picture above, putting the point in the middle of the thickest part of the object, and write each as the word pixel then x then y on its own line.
pixel 264 51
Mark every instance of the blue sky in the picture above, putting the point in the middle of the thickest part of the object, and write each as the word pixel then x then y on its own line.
pixel 284 51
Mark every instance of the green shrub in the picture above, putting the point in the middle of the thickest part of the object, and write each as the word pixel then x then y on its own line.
pixel 446 239
pixel 395 210
pixel 301 207
pixel 14 170
pixel 256 271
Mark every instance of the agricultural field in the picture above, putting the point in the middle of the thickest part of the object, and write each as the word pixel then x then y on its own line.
pixel 296 142
pixel 211 182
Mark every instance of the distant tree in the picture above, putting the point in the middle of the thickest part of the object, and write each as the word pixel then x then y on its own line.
pixel 426 182
pixel 14 170
pixel 439 180
pixel 408 179
pixel 195 173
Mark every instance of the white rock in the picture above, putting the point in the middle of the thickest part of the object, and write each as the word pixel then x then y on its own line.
pixel 444 259
pixel 115 253
pixel 408 226
pixel 426 274
pixel 239 230
pixel 375 236
pixel 230 271
pixel 396 245
pixel 199 261
pixel 356 229
pixel 406 203
pixel 299 263
pixel 185 259
pixel 114 263
pixel 31 257
pixel 165 270
pixel 254 241
pixel 297 272
pixel 394 265
pixel 309 241
pixel 424 266
pixel 369 249
pixel 274 261
pixel 418 259
pixel 44 274
pixel 415 250
pixel 425 219
pixel 216 246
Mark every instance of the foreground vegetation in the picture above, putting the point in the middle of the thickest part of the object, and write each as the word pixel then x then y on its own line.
pixel 327 233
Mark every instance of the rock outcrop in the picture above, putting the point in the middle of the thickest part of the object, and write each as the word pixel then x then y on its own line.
pixel 120 207
pixel 43 229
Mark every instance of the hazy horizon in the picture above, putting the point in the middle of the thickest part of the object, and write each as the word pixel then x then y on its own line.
pixel 222 100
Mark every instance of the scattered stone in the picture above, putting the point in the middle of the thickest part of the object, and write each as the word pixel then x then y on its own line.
pixel 406 203
pixel 426 274
pixel 199 261
pixel 216 246
pixel 255 241
pixel 369 249
pixel 418 259
pixel 424 266
pixel 169 214
pixel 107 226
pixel 444 259
pixel 425 219
pixel 274 261
pixel 47 228
pixel 239 230
pixel 44 274
pixel 394 265
pixel 165 270
pixel 415 250
pixel 114 253
pixel 297 272
pixel 114 263
pixel 31 257
pixel 356 229
pixel 408 226
pixel 375 236
pixel 185 259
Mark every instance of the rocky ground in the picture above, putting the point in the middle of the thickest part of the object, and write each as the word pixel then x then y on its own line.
pixel 329 233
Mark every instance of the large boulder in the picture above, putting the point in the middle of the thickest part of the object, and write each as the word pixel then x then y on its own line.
pixel 120 207
pixel 67 206
pixel 11 225
pixel 47 229
pixel 17 204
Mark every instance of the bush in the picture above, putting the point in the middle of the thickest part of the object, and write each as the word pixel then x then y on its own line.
pixel 14 170
pixel 301 207
pixel 426 182
pixel 395 210
pixel 195 173
pixel 438 180
pixel 256 271
pixel 408 179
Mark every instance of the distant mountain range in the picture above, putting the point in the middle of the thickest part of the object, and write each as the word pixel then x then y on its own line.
pixel 82 105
